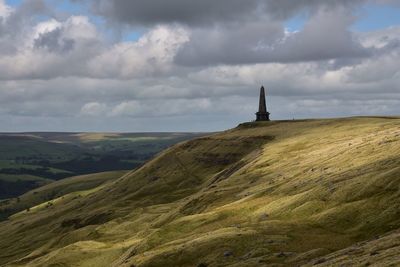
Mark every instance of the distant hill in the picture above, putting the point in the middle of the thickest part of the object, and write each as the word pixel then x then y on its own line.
pixel 30 160
pixel 54 190
pixel 283 193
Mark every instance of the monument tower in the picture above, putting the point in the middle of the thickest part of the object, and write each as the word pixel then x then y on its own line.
pixel 262 114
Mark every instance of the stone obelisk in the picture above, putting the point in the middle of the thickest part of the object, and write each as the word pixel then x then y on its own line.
pixel 262 114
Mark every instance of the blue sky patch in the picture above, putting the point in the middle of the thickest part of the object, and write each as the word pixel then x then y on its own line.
pixel 374 17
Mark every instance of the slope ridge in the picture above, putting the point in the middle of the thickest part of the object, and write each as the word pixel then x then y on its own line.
pixel 381 251
pixel 57 189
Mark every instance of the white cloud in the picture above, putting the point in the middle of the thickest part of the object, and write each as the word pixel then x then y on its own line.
pixel 152 54
pixel 52 49
pixel 93 109
pixel 5 10
pixel 74 48
pixel 43 28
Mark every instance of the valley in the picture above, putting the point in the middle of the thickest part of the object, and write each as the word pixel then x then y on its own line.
pixel 31 160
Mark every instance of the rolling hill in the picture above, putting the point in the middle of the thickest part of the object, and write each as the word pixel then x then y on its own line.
pixel 284 193
pixel 30 160
pixel 54 190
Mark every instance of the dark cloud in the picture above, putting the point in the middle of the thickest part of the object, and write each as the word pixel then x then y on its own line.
pixel 194 12
pixel 54 42
pixel 325 36
pixel 247 32
pixel 22 15
pixel 12 26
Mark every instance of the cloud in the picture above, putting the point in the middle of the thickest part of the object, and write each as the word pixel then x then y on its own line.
pixel 151 55
pixel 14 20
pixel 162 108
pixel 192 68
pixel 206 12
pixel 54 42
pixel 75 48
pixel 93 109
pixel 325 36
pixel 52 49
pixel 5 10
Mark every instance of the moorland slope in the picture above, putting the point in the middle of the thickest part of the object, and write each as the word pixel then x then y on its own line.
pixel 31 160
pixel 49 192
pixel 285 193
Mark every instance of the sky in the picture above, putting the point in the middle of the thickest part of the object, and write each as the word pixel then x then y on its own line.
pixel 189 65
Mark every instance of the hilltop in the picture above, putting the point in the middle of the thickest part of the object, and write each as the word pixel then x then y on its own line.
pixel 312 192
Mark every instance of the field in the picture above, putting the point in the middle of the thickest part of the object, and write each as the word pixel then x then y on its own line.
pixel 29 160
pixel 284 193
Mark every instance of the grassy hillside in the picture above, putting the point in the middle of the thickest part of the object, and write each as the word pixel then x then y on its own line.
pixel 285 193
pixel 15 185
pixel 381 251
pixel 54 190
pixel 27 159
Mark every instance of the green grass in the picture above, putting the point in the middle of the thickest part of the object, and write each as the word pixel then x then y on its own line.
pixel 54 190
pixel 10 164
pixel 286 193
pixel 13 178
pixel 12 147
pixel 59 155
